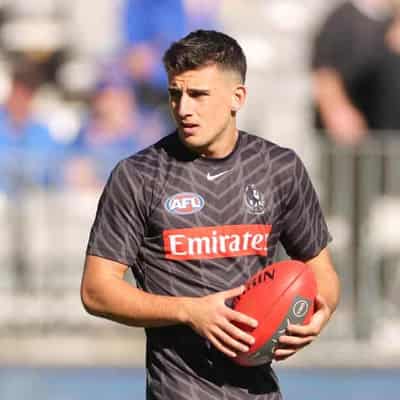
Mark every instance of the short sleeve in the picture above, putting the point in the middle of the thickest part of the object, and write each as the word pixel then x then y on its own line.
pixel 119 226
pixel 304 233
pixel 333 44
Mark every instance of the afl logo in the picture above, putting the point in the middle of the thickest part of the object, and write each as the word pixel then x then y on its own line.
pixel 184 203
pixel 300 308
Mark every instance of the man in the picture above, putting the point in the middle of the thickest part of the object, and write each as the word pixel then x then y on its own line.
pixel 355 70
pixel 115 127
pixel 176 213
pixel 148 27
pixel 27 146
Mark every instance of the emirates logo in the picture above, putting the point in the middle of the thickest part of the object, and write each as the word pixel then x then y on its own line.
pixel 209 242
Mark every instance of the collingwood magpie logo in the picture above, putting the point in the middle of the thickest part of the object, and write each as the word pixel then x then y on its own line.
pixel 254 200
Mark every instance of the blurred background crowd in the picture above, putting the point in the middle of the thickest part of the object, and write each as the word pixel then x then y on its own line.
pixel 82 86
pixel 82 83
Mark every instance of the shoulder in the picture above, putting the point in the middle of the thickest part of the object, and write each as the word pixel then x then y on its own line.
pixel 161 155
pixel 151 156
pixel 147 164
pixel 269 152
pixel 343 11
pixel 138 178
pixel 281 165
pixel 341 17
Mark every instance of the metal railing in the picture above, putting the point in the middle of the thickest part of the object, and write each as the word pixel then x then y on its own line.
pixel 361 196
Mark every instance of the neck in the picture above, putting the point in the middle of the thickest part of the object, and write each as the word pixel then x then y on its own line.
pixel 222 147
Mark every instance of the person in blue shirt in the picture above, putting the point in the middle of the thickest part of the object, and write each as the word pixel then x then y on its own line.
pixel 148 29
pixel 115 127
pixel 27 146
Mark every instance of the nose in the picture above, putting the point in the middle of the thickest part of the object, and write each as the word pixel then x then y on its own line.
pixel 185 106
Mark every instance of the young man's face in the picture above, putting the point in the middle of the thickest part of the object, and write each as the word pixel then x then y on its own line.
pixel 203 103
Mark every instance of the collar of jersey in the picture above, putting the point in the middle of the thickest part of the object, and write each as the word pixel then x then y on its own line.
pixel 225 161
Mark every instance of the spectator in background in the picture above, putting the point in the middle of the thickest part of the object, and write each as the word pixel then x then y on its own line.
pixel 356 64
pixel 27 146
pixel 201 14
pixel 116 127
pixel 149 27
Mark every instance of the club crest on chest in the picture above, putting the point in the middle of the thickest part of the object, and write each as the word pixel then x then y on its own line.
pixel 254 200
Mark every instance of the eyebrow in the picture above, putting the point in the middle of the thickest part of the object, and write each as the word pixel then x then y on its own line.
pixel 198 91
pixel 174 90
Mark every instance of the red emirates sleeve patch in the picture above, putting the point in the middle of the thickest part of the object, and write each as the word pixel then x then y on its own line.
pixel 216 242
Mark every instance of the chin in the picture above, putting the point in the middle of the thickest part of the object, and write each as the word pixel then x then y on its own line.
pixel 193 140
pixel 194 145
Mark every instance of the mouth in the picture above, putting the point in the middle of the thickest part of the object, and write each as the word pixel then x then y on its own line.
pixel 188 129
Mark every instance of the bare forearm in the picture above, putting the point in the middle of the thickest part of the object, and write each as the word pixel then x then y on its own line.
pixel 339 115
pixel 330 291
pixel 327 279
pixel 105 293
pixel 329 91
pixel 119 301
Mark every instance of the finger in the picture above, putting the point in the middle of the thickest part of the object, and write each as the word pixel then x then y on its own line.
pixel 236 316
pixel 301 331
pixel 229 341
pixel 283 353
pixel 295 342
pixel 282 358
pixel 222 348
pixel 321 306
pixel 311 329
pixel 228 294
pixel 320 302
pixel 237 333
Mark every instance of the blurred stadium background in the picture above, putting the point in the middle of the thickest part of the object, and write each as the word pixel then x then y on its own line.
pixel 88 64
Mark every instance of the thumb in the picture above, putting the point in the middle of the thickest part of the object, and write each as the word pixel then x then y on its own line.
pixel 228 294
pixel 320 302
pixel 322 306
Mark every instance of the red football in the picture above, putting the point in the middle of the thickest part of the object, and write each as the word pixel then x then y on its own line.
pixel 280 293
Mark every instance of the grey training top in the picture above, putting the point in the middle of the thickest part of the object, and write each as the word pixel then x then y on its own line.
pixel 192 226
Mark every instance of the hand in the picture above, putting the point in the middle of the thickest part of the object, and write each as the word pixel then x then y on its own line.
pixel 210 317
pixel 348 126
pixel 300 336
pixel 392 37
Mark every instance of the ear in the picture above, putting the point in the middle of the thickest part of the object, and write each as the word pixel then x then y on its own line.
pixel 238 97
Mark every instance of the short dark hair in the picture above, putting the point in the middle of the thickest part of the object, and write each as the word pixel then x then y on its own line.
pixel 27 74
pixel 201 48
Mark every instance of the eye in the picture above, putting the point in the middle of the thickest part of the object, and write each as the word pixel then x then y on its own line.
pixel 174 94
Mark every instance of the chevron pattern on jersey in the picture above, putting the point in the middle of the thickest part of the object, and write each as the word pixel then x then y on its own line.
pixel 259 187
